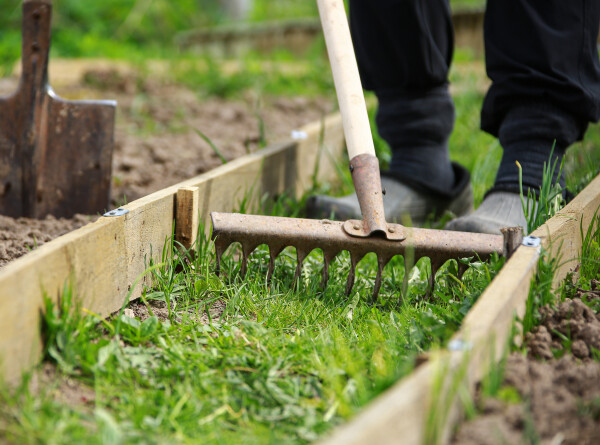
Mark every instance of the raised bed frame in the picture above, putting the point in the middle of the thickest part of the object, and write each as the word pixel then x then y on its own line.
pixel 103 261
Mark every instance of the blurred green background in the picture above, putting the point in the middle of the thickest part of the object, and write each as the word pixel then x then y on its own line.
pixel 140 28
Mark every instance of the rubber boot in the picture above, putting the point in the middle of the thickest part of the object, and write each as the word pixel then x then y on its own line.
pixel 498 210
pixel 401 202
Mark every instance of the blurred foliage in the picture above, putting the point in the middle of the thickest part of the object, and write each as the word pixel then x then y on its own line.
pixel 120 28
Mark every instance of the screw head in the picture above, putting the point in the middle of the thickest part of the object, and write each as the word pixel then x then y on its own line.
pixel 531 241
pixel 459 345
pixel 118 212
pixel 392 229
pixel 356 227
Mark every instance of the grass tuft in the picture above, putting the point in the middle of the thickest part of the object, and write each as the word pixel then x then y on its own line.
pixel 550 200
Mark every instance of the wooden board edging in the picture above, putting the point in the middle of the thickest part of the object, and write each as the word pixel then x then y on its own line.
pixel 423 407
pixel 102 260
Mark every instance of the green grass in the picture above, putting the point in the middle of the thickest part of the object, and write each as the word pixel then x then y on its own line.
pixel 280 364
pixel 258 75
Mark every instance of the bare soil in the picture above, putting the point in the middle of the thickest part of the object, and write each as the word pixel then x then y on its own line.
pixel 21 235
pixel 62 388
pixel 157 143
pixel 561 396
pixel 206 313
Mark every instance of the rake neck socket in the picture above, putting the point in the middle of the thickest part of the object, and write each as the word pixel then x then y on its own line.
pixel 367 183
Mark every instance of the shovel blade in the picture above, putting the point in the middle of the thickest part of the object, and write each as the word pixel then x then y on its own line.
pixel 61 165
pixel 75 157
pixel 11 173
pixel 55 154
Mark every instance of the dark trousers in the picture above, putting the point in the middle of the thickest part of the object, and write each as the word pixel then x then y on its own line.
pixel 541 56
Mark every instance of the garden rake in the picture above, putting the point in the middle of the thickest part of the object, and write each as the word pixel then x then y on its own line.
pixel 373 233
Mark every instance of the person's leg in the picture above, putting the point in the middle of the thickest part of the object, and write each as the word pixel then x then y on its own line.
pixel 543 61
pixel 404 49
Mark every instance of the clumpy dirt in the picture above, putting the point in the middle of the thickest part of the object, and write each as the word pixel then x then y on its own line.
pixel 573 320
pixel 62 388
pixel 157 140
pixel 138 309
pixel 561 396
pixel 21 235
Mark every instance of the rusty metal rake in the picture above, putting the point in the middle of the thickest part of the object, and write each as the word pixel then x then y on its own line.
pixel 359 237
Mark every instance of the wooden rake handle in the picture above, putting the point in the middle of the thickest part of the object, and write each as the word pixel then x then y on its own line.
pixel 346 78
pixel 364 165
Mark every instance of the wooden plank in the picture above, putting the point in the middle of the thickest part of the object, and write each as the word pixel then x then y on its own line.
pixel 318 154
pixel 562 234
pixel 101 260
pixel 104 259
pixel 186 216
pixel 423 407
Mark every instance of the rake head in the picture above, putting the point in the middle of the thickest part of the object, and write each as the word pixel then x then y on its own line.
pixel 331 237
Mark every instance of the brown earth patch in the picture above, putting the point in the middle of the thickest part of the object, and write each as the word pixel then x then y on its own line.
pixel 561 405
pixel 20 235
pixel 137 309
pixel 157 143
pixel 561 397
pixel 572 321
pixel 61 388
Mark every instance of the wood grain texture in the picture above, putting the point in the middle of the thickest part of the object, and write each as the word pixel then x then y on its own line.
pixel 186 216
pixel 423 407
pixel 103 260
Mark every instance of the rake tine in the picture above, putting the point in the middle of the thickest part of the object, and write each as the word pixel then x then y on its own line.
pixel 352 274
pixel 435 266
pixel 381 262
pixel 274 251
pixel 218 255
pixel 244 268
pixel 324 273
pixel 328 257
pixel 247 250
pixel 271 269
pixel 301 255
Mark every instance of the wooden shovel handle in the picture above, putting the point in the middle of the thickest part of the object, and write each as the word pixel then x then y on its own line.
pixel 346 77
